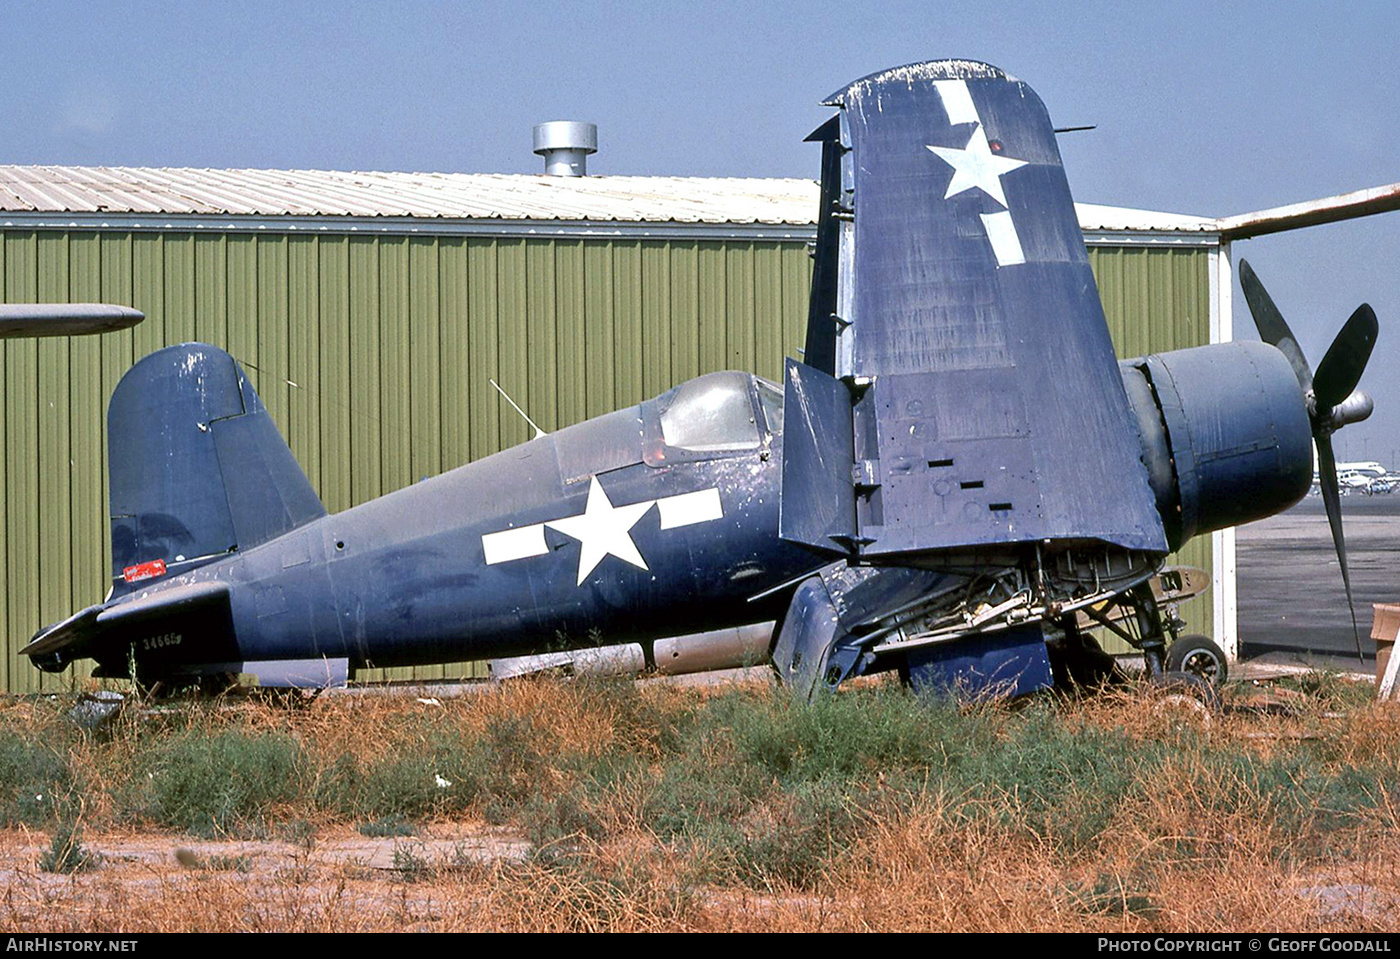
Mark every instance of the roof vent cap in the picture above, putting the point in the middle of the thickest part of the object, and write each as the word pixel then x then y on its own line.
pixel 565 145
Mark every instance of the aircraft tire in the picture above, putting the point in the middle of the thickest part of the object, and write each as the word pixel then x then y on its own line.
pixel 1199 656
pixel 1184 700
pixel 1079 662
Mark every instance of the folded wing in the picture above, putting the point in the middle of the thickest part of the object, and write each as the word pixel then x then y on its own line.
pixel 985 402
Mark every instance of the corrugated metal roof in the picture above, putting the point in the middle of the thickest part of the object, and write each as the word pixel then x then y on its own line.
pixel 457 196
pixel 47 189
pixel 1092 216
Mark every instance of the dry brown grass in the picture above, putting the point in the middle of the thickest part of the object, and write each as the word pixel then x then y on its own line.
pixel 1257 819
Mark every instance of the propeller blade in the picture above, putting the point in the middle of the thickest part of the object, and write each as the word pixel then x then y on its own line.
pixel 1272 327
pixel 1340 370
pixel 1332 499
pixel 1337 376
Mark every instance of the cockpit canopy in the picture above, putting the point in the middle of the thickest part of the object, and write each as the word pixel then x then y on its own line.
pixel 713 412
pixel 718 413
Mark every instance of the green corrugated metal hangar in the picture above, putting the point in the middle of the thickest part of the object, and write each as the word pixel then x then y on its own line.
pixel 371 310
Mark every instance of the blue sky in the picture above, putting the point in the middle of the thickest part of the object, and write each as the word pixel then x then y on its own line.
pixel 1208 108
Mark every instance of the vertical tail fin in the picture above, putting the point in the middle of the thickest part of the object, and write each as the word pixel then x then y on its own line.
pixel 197 466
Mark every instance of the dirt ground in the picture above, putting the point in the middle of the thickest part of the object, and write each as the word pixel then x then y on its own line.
pixel 447 879
pixel 335 881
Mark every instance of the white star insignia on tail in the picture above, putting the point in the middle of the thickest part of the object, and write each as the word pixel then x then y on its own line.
pixel 976 167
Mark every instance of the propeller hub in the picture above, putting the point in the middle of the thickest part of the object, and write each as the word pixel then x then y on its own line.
pixel 1355 408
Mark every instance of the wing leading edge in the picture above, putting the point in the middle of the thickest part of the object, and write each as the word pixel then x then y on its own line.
pixel 986 402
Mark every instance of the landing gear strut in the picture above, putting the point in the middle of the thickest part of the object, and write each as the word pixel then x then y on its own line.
pixel 1140 619
pixel 1151 631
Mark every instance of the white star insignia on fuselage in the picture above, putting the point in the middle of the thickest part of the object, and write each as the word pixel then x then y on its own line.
pixel 602 529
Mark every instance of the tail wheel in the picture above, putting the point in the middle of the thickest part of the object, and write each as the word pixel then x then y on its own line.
pixel 1198 656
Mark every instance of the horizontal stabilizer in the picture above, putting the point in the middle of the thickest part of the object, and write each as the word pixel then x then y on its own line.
pixel 60 636
pixel 118 622
pixel 176 600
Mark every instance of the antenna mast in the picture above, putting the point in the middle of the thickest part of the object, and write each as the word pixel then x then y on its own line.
pixel 515 406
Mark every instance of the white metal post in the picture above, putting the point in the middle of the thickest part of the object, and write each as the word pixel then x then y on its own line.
pixel 1222 542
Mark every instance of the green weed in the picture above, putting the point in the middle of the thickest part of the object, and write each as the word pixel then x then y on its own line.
pixel 229 863
pixel 213 783
pixel 301 833
pixel 1113 894
pixel 34 781
pixel 412 863
pixel 66 852
pixel 387 827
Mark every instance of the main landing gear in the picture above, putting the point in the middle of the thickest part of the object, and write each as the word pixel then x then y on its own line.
pixel 1140 618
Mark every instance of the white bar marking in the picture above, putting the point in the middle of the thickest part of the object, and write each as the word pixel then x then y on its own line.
pixel 511 544
pixel 1006 244
pixel 957 100
pixel 689 508
pixel 1386 690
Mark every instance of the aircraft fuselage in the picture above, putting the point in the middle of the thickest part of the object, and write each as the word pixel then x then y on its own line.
pixel 603 532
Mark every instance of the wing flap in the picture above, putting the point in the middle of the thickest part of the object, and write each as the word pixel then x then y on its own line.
pixel 817 506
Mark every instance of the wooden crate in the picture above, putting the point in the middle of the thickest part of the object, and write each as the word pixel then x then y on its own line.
pixel 1385 626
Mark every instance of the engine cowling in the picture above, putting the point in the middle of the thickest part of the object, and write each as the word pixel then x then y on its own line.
pixel 1225 434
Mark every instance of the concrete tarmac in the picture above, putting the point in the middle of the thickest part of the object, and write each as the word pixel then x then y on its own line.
pixel 1292 607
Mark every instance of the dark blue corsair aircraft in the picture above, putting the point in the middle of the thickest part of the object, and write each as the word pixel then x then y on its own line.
pixel 957 468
